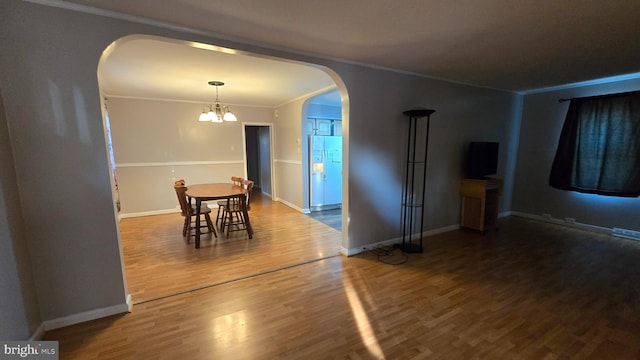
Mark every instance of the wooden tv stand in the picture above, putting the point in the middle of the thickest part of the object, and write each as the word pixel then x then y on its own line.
pixel 480 200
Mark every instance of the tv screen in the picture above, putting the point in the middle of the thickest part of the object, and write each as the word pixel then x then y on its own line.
pixel 482 159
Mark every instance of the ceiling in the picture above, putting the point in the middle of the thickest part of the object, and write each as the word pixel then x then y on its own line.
pixel 509 45
pixel 160 68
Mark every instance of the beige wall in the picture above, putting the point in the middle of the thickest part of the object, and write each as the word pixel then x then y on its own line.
pixel 158 142
pixel 288 154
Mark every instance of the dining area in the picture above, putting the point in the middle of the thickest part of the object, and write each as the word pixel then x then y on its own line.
pixel 160 261
pixel 233 202
pixel 172 247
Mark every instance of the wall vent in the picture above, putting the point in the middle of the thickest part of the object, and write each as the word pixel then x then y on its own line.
pixel 625 233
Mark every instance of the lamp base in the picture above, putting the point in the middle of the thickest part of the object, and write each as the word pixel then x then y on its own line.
pixel 411 248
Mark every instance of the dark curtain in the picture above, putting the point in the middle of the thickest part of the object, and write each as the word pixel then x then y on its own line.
pixel 599 147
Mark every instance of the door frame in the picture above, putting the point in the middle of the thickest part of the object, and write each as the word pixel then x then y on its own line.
pixel 271 153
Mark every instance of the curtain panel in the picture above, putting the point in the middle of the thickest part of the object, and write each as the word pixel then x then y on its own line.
pixel 599 147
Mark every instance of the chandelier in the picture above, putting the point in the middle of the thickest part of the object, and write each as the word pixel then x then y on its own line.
pixel 217 113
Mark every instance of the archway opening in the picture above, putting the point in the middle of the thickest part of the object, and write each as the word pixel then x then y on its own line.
pixel 158 140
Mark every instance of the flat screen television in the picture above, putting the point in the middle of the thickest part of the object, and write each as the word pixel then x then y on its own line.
pixel 482 159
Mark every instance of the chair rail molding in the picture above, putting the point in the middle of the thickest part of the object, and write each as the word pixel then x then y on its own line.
pixel 178 163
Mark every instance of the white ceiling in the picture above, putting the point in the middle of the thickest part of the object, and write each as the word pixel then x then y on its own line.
pixel 511 45
pixel 159 68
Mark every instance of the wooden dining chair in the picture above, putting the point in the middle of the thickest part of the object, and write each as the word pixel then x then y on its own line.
pixel 233 217
pixel 237 181
pixel 189 211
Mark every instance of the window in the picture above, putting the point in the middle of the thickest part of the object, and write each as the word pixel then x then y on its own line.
pixel 599 147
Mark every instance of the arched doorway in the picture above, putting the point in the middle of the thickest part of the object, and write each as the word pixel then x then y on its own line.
pixel 322 157
pixel 144 168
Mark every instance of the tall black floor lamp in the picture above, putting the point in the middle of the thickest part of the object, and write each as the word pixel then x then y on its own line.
pixel 415 180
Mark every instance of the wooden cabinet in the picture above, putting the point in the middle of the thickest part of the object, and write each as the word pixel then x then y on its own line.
pixel 480 200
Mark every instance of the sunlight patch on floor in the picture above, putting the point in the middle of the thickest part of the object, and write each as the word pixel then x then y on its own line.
pixel 367 333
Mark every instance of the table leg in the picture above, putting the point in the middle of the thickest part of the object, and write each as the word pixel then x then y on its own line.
pixel 245 213
pixel 198 203
pixel 248 224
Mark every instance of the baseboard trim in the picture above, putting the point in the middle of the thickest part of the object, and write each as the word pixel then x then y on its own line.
pixel 390 242
pixel 38 334
pixel 575 225
pixel 213 205
pixel 57 323
pixel 157 212
pixel 147 213
pixel 290 205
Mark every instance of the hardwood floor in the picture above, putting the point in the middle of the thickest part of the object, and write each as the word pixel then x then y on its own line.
pixel 159 263
pixel 530 291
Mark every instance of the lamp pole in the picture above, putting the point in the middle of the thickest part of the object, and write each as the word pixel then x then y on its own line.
pixel 412 203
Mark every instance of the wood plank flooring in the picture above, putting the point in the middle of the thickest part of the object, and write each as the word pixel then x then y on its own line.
pixel 530 291
pixel 158 261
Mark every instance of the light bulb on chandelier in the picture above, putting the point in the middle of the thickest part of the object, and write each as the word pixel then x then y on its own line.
pixel 217 113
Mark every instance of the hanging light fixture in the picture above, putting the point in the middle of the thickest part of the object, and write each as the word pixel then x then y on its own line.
pixel 217 113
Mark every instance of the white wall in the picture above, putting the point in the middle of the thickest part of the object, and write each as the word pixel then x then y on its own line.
pixel 54 113
pixel 156 143
pixel 542 121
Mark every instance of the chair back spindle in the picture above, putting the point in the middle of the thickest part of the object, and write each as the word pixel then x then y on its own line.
pixel 185 209
pixel 189 211
pixel 236 209
pixel 247 186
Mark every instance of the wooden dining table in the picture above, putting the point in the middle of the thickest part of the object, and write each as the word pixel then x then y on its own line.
pixel 216 191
